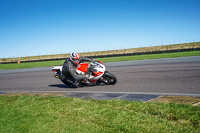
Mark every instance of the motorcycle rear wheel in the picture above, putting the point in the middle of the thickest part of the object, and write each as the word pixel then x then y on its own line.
pixel 69 84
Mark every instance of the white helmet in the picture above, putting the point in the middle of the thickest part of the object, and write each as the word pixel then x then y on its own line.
pixel 74 57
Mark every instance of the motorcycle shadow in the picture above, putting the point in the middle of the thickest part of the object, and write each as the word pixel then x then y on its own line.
pixel 60 86
pixel 67 86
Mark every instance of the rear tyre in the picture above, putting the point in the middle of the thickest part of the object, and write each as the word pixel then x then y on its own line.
pixel 70 84
pixel 109 78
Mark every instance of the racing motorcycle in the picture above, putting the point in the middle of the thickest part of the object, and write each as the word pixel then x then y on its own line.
pixel 95 71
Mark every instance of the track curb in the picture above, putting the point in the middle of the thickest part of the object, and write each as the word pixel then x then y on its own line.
pixel 192 100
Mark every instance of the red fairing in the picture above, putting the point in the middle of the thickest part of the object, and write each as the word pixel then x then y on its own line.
pixel 82 67
pixel 97 73
pixel 93 81
pixel 100 62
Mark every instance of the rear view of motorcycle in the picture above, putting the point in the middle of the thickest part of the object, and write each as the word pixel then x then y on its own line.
pixel 95 71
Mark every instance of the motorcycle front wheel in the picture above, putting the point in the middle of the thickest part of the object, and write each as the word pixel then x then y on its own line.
pixel 109 79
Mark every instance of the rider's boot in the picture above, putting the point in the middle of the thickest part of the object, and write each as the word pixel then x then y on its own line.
pixel 76 83
pixel 57 76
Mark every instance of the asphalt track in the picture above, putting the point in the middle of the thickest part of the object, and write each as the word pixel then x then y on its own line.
pixel 137 80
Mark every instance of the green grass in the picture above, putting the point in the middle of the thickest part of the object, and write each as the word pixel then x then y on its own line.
pixel 71 115
pixel 31 64
pixel 150 56
pixel 110 59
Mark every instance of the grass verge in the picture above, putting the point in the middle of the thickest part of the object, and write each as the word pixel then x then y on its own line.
pixel 150 56
pixel 60 114
pixel 110 59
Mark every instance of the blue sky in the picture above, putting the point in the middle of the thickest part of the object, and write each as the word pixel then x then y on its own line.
pixel 42 27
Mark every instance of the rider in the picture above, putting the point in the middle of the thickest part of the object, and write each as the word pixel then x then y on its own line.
pixel 69 74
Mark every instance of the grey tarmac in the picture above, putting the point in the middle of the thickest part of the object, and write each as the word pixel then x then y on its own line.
pixel 137 80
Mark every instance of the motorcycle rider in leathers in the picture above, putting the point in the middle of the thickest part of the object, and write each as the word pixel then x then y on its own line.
pixel 69 74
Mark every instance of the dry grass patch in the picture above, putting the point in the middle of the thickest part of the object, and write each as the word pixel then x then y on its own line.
pixel 122 51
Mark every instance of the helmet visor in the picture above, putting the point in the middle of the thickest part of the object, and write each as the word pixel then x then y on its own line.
pixel 76 61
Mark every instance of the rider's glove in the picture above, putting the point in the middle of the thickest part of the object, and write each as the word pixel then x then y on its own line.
pixel 86 77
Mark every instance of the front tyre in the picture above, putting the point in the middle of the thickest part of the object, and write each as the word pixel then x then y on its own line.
pixel 109 79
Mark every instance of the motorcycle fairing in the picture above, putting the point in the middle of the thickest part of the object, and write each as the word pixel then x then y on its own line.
pixel 82 68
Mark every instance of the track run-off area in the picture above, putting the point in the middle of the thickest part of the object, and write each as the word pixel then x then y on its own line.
pixel 137 80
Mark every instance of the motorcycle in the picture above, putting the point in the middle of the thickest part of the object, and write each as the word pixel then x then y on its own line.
pixel 95 71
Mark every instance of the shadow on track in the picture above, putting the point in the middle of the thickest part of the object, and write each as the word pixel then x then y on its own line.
pixel 60 86
pixel 70 87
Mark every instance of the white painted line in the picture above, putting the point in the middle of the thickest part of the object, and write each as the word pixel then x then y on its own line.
pixel 99 92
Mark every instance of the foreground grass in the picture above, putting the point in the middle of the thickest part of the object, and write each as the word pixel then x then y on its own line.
pixel 59 114
pixel 110 59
